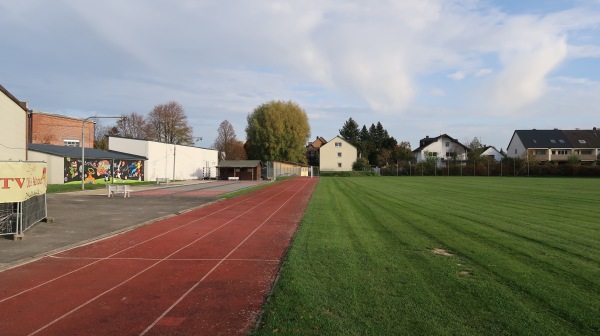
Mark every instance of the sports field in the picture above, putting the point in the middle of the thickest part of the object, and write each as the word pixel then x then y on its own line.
pixel 443 256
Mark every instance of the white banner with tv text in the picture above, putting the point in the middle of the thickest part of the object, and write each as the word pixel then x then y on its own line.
pixel 20 181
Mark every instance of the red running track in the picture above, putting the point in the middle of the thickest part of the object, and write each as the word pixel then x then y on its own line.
pixel 205 272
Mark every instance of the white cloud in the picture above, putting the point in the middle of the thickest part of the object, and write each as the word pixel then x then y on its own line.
pixel 459 75
pixel 221 59
pixel 483 72
pixel 438 92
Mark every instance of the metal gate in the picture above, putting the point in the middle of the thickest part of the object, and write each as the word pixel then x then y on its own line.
pixel 17 217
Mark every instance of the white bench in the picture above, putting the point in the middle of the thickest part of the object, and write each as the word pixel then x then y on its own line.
pixel 124 189
pixel 233 178
pixel 160 180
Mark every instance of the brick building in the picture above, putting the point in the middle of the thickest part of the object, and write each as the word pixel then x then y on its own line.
pixel 59 130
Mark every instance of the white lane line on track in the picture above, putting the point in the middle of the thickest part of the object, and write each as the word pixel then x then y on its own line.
pixel 150 267
pixel 216 266
pixel 130 247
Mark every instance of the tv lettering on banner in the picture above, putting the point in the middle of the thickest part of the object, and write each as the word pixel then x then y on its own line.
pixel 20 181
pixel 103 169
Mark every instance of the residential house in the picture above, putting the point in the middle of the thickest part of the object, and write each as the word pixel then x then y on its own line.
pixel 337 155
pixel 555 145
pixel 169 161
pixel 443 147
pixel 585 144
pixel 312 150
pixel 492 153
pixel 13 137
pixel 59 130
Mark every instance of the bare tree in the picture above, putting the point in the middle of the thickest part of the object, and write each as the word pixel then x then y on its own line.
pixel 226 140
pixel 168 123
pixel 134 126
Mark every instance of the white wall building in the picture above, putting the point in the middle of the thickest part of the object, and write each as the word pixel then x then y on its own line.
pixel 337 155
pixel 492 153
pixel 443 147
pixel 13 137
pixel 175 162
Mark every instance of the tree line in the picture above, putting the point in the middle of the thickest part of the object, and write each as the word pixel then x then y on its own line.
pixel 375 146
pixel 166 123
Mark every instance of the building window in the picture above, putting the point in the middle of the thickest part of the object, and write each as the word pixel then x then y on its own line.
pixel 71 143
pixel 562 152
pixel 339 154
pixel 540 152
pixel 561 141
pixel 447 144
pixel 586 152
pixel 339 165
pixel 338 144
pixel 581 141
pixel 515 151
pixel 553 141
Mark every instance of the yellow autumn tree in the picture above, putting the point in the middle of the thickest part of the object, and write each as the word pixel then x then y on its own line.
pixel 277 130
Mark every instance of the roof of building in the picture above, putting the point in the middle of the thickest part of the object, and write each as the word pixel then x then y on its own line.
pixel 583 138
pixel 319 141
pixel 89 120
pixel 21 104
pixel 90 153
pixel 122 137
pixel 543 138
pixel 428 141
pixel 239 163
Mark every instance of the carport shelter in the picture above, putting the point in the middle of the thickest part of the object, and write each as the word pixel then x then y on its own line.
pixel 248 170
pixel 64 163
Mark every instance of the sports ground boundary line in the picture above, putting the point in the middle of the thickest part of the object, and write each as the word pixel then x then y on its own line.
pixel 149 267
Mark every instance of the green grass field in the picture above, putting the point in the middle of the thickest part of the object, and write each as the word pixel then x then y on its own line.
pixel 517 256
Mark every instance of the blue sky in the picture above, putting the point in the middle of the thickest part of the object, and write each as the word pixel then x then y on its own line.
pixel 467 68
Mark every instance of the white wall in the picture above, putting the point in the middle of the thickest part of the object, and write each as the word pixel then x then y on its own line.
pixel 167 160
pixel 515 147
pixel 492 151
pixel 329 158
pixel 13 138
pixel 55 166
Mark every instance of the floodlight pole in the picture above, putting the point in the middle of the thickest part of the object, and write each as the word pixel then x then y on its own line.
pixel 83 145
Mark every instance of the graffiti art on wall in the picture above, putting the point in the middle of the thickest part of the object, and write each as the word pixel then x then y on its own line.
pixel 101 169
pixel 128 170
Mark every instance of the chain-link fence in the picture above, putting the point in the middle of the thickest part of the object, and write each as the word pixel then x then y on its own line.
pixel 17 217
pixel 506 167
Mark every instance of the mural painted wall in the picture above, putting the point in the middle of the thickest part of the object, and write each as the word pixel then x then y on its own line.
pixel 103 169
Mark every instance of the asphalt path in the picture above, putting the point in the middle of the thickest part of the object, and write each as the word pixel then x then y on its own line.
pixel 77 218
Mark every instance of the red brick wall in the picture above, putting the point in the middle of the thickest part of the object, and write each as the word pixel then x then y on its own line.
pixel 54 130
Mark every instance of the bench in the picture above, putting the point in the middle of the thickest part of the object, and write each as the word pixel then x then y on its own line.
pixel 233 178
pixel 124 189
pixel 160 180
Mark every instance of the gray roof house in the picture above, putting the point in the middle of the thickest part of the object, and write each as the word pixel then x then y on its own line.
pixel 555 145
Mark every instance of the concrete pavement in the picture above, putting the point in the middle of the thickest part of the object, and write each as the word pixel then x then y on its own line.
pixel 81 217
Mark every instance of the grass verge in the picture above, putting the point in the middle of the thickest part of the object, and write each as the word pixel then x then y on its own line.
pixel 443 256
pixel 100 184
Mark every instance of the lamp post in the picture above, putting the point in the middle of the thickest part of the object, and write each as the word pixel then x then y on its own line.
pixel 83 145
